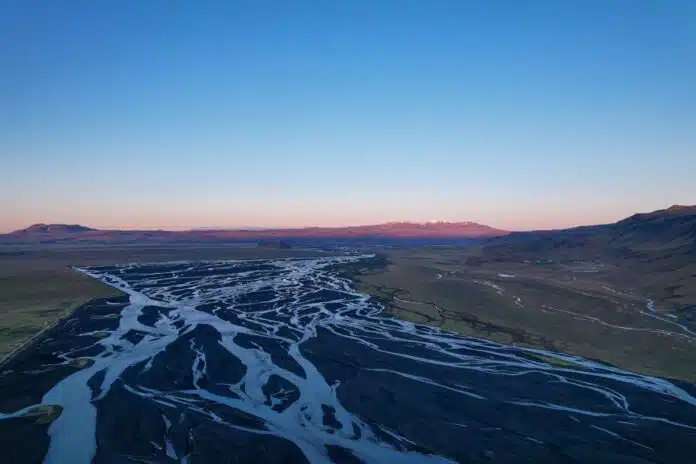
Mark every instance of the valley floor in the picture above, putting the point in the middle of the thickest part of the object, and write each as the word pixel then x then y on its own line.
pixel 283 361
pixel 581 308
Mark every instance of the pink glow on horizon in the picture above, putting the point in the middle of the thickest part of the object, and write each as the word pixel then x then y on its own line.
pixel 125 221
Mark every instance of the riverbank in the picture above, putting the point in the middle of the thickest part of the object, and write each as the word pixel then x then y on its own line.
pixel 34 298
pixel 38 286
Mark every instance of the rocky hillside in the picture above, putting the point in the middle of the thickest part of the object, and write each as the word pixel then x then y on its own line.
pixel 656 251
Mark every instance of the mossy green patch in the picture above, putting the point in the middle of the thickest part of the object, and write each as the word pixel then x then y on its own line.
pixel 555 361
pixel 81 363
pixel 106 316
pixel 45 414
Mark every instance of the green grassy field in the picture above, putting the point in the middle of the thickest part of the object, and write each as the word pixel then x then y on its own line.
pixel 39 286
pixel 30 299
pixel 559 307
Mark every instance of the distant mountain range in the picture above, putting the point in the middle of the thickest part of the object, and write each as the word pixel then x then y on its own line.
pixel 73 233
pixel 674 227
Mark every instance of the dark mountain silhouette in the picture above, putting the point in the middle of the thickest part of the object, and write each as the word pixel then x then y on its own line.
pixel 52 229
pixel 61 233
pixel 674 227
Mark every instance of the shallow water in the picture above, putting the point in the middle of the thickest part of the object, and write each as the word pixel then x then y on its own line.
pixel 282 361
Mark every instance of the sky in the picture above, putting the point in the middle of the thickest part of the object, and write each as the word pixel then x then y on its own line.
pixel 178 114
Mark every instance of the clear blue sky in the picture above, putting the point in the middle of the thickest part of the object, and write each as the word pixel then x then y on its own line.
pixel 519 114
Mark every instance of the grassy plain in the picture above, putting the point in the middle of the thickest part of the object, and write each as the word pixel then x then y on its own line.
pixel 588 309
pixel 30 299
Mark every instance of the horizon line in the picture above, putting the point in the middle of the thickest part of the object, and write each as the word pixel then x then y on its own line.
pixel 364 224
pixel 271 228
